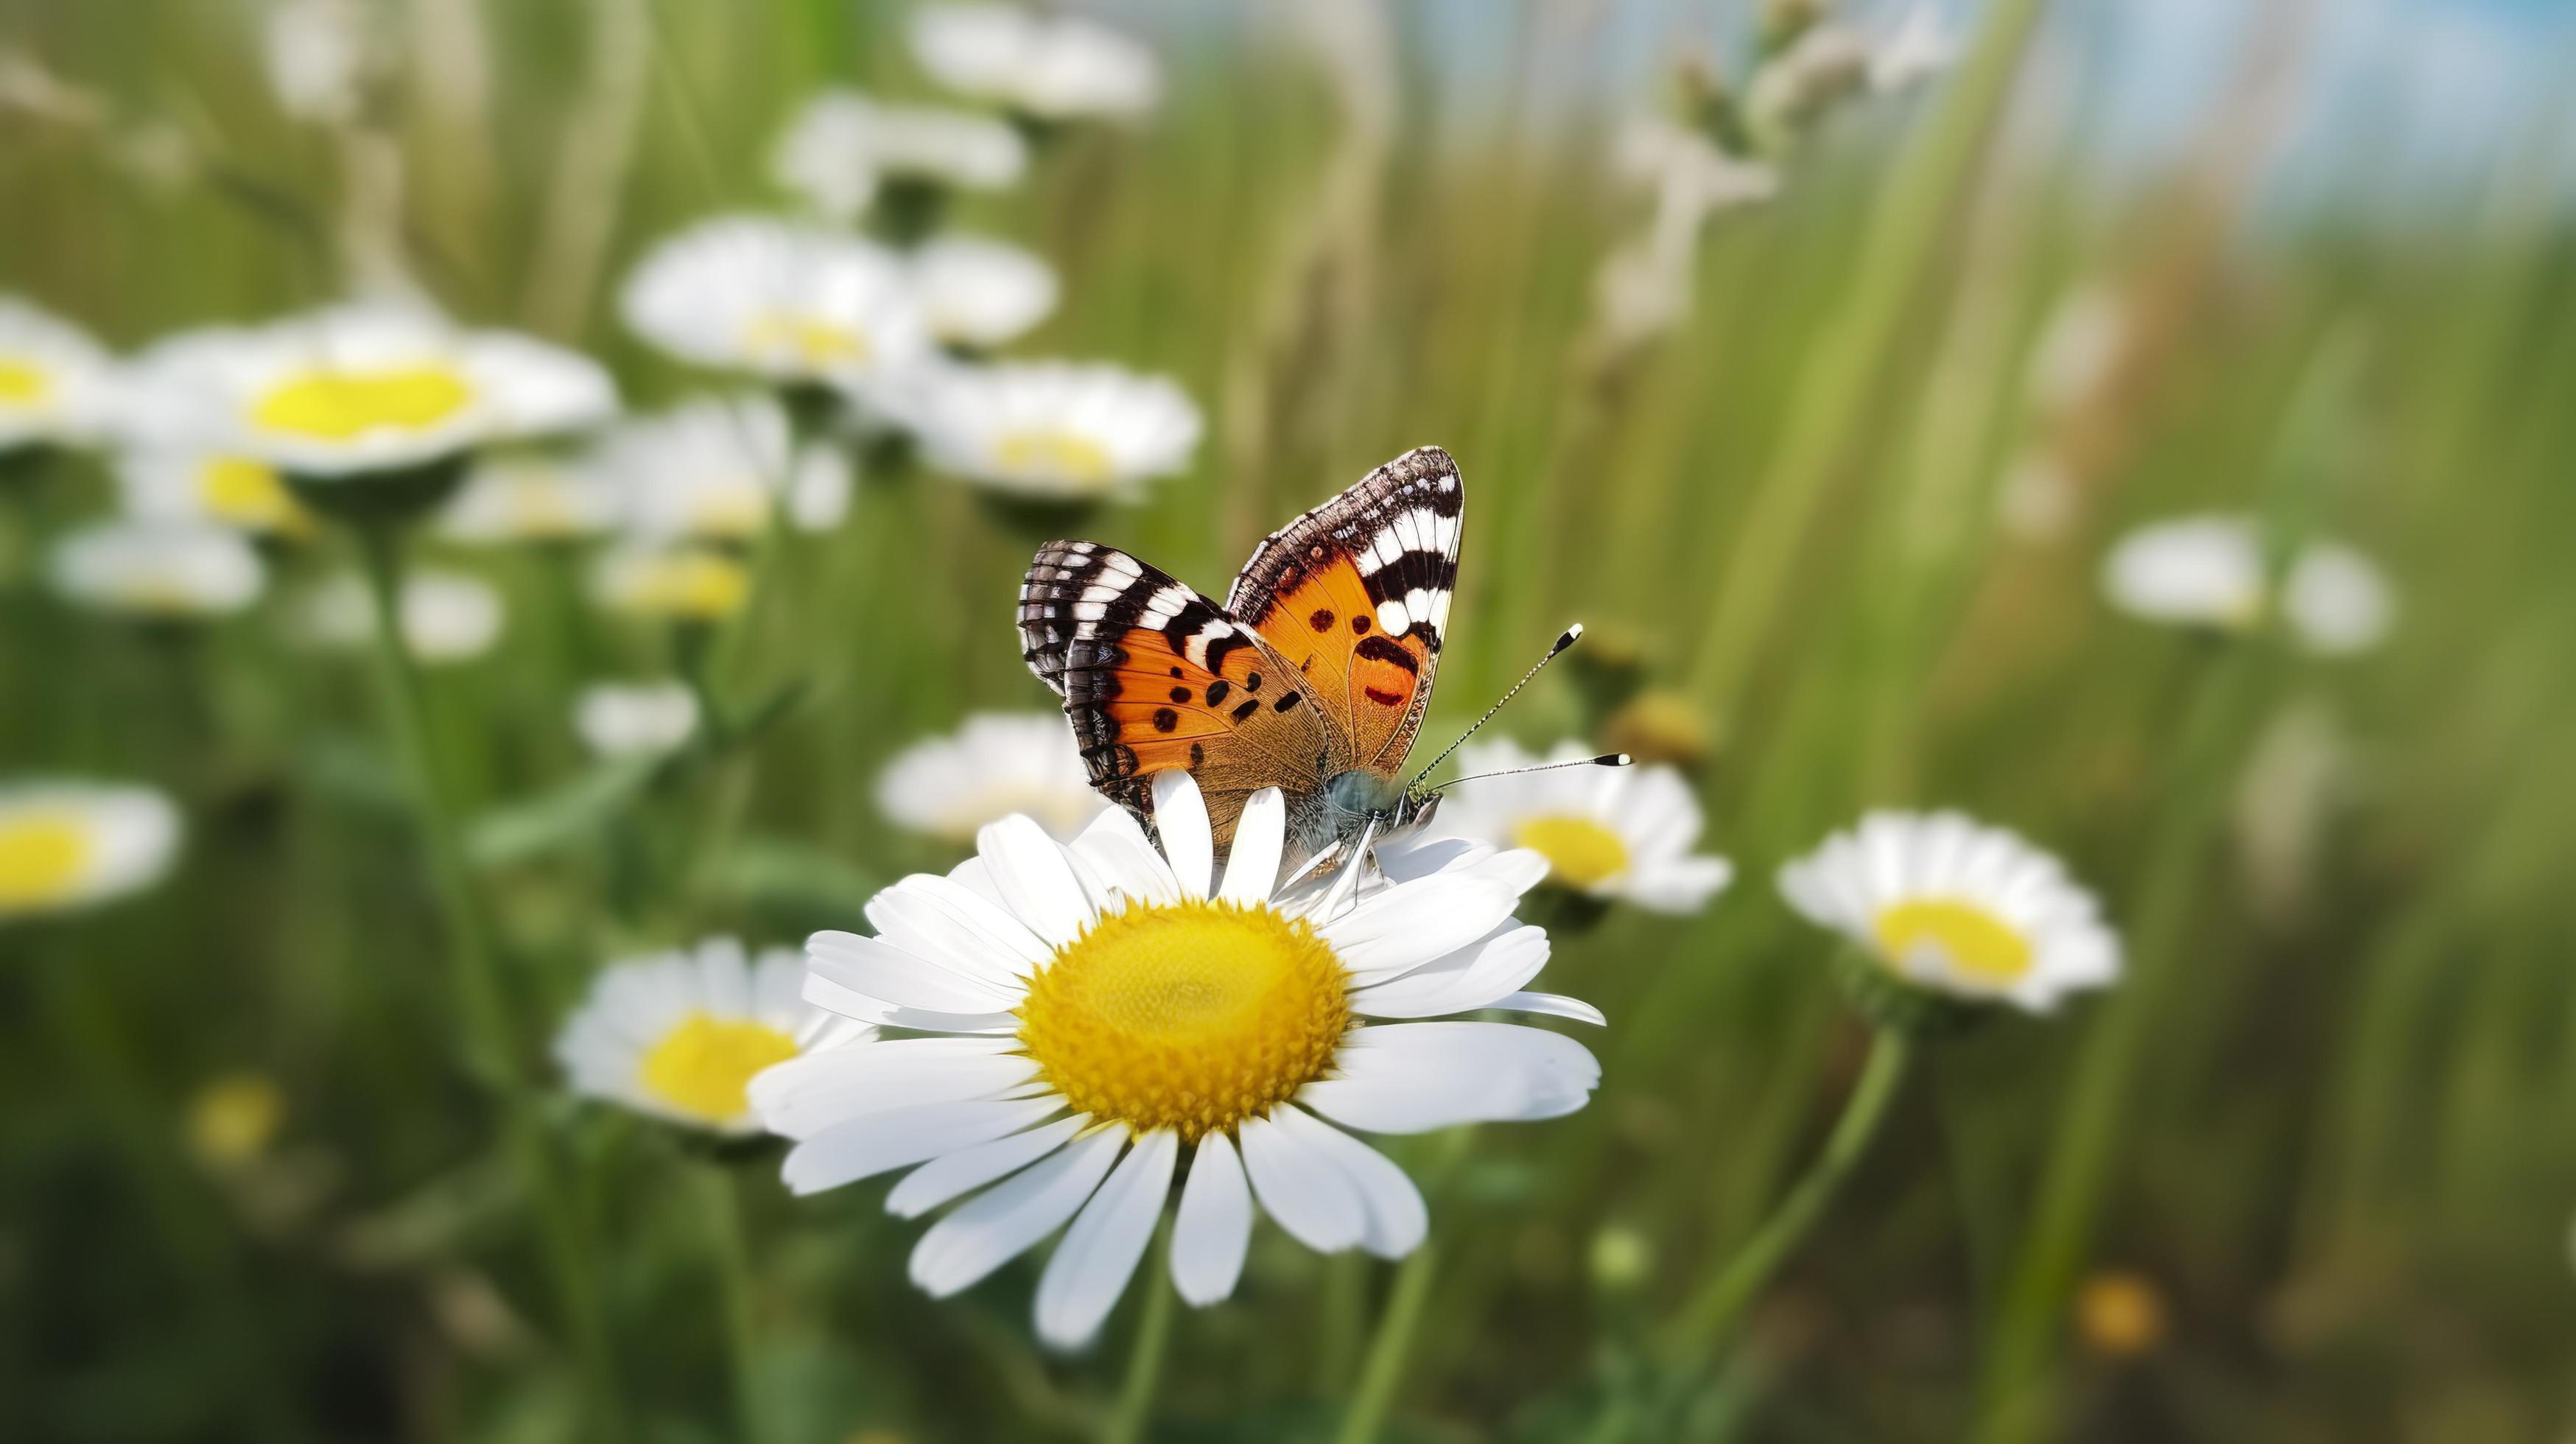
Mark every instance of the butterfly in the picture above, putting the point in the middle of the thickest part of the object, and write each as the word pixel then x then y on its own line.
pixel 1312 677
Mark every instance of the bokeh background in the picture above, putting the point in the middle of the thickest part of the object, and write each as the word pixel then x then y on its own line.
pixel 1831 474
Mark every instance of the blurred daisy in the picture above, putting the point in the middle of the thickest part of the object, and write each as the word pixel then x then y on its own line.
pixel 2210 571
pixel 843 144
pixel 162 571
pixel 977 293
pixel 176 486
pixel 1958 908
pixel 1055 430
pixel 531 498
pixel 53 379
pixel 995 765
pixel 1088 997
pixel 1622 833
pixel 711 468
pixel 67 844
pixel 679 1035
pixel 779 300
pixel 643 719
pixel 319 53
pixel 446 616
pixel 1045 67
pixel 678 584
pixel 362 388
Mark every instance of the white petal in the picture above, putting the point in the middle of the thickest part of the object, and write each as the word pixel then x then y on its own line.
pixel 1412 1077
pixel 803 1096
pixel 880 970
pixel 851 1004
pixel 1468 979
pixel 1554 1005
pixel 1408 925
pixel 1117 850
pixel 966 1170
pixel 1008 1219
pixel 1099 1253
pixel 1313 1200
pixel 1030 871
pixel 1678 885
pixel 1213 1229
pixel 1252 867
pixel 1180 816
pixel 936 918
pixel 1397 1219
pixel 875 1142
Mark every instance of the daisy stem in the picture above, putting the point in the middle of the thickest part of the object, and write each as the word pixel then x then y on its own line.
pixel 1390 1347
pixel 492 1053
pixel 1713 1311
pixel 1135 1409
pixel 732 1247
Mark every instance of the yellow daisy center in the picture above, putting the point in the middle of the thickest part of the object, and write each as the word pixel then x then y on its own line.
pixel 43 856
pixel 700 586
pixel 2120 1314
pixel 810 340
pixel 23 383
pixel 344 405
pixel 246 494
pixel 1979 944
pixel 704 1067
pixel 233 1118
pixel 1580 852
pixel 1056 454
pixel 1193 1016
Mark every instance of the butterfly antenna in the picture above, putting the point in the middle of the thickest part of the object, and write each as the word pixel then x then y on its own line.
pixel 1567 638
pixel 1606 759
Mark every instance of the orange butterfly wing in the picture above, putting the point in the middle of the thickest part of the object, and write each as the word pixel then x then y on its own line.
pixel 1355 595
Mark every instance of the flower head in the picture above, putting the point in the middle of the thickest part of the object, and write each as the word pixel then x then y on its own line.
pixel 1054 430
pixel 710 468
pixel 1100 1011
pixel 1608 832
pixel 446 616
pixel 68 844
pixel 1046 67
pixel 1958 908
pixel 996 764
pixel 842 144
pixel 680 1035
pixel 643 719
pixel 174 485
pixel 53 379
pixel 777 300
pixel 2210 571
pixel 361 388
pixel 531 498
pixel 977 293
pixel 167 572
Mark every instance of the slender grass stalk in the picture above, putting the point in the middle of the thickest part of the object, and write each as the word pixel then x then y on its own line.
pixel 1136 1393
pixel 721 1202
pixel 1715 1308
pixel 491 1049
pixel 1390 1348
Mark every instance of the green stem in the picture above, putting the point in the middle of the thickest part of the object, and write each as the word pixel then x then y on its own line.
pixel 1714 1310
pixel 491 1050
pixel 1135 1410
pixel 1390 1347
pixel 732 1249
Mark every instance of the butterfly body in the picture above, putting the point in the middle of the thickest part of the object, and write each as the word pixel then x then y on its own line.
pixel 1312 676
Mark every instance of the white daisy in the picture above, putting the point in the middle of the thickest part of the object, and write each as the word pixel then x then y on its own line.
pixel 1087 997
pixel 53 379
pixel 677 584
pixel 66 844
pixel 179 486
pixel 2210 571
pixel 164 571
pixel 1054 430
pixel 842 144
pixel 1608 832
pixel 531 498
pixel 1958 907
pixel 1054 67
pixel 712 467
pixel 361 388
pixel 446 616
pixel 978 293
pixel 643 719
pixel 776 299
pixel 678 1035
pixel 997 764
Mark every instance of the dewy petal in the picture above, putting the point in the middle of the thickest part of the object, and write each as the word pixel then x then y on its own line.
pixel 875 1142
pixel 1030 871
pixel 1413 1077
pixel 878 969
pixel 1099 1253
pixel 1007 1220
pixel 966 1170
pixel 1213 1229
pixel 1117 850
pixel 1260 835
pixel 1313 1200
pixel 1397 1219
pixel 1405 926
pixel 1180 816
pixel 803 1096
